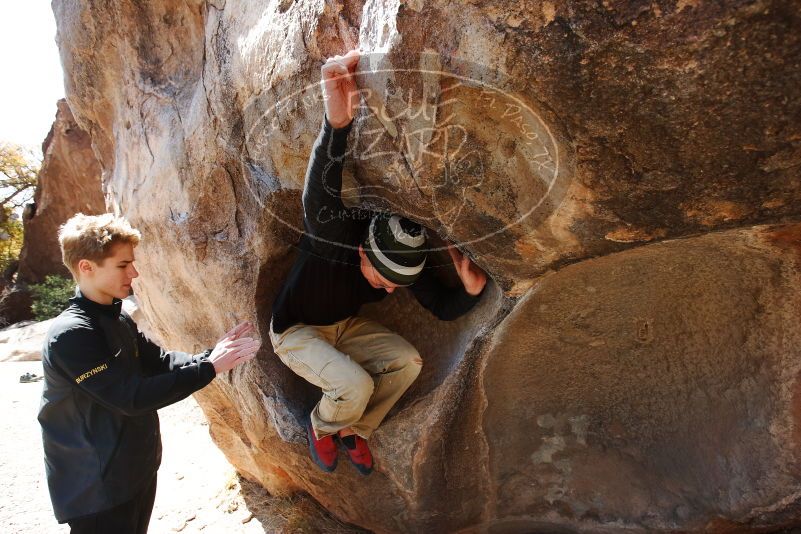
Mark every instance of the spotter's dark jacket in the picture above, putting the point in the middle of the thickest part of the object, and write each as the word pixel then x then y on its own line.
pixel 103 382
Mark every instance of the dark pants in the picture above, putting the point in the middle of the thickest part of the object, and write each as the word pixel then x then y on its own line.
pixel 130 517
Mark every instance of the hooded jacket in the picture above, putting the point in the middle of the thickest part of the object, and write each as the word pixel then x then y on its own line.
pixel 103 383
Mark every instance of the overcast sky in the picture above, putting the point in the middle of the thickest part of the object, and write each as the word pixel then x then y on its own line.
pixel 31 80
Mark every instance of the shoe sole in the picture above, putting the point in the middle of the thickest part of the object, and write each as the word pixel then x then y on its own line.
pixel 313 451
pixel 364 471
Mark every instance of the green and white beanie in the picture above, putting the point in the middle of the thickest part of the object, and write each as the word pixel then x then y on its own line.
pixel 395 247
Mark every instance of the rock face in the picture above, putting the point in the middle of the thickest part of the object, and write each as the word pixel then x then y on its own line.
pixel 69 183
pixel 626 173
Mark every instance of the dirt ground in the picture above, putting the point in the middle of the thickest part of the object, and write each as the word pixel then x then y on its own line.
pixel 198 490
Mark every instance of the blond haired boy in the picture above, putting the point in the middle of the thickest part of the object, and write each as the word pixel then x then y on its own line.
pixel 104 382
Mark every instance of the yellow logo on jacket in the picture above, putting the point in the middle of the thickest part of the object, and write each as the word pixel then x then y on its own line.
pixel 91 372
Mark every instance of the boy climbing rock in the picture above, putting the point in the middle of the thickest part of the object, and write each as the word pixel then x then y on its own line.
pixel 345 261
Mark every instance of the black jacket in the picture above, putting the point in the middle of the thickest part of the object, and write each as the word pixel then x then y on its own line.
pixel 103 383
pixel 325 284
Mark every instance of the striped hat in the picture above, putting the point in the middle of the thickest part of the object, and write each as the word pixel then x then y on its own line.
pixel 394 246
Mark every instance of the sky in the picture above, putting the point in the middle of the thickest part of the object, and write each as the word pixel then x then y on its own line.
pixel 31 81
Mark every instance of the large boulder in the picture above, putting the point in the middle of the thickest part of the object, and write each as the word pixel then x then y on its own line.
pixel 614 167
pixel 656 388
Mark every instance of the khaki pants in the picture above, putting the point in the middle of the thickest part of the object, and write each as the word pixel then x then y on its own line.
pixel 362 367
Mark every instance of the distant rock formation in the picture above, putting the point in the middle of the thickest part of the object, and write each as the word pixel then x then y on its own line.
pixel 69 183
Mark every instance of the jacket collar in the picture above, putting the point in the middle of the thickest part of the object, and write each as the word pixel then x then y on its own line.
pixel 111 310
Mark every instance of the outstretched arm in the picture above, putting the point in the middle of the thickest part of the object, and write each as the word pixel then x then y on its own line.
pixel 83 356
pixel 324 214
pixel 157 360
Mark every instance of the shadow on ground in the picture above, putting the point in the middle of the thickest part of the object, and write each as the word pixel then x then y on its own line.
pixel 296 514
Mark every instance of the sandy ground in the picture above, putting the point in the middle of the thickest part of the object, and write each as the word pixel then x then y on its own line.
pixel 198 490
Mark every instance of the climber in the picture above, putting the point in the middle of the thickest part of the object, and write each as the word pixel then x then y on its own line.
pixel 345 261
pixel 104 382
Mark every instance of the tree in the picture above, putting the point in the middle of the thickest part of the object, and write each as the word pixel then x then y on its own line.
pixel 51 296
pixel 19 169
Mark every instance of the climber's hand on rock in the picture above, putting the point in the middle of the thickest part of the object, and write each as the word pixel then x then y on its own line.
pixel 471 275
pixel 240 330
pixel 338 82
pixel 227 354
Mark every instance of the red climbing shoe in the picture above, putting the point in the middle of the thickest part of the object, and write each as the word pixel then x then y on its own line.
pixel 323 450
pixel 359 453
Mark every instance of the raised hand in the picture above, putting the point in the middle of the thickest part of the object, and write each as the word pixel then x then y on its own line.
pixel 340 95
pixel 472 277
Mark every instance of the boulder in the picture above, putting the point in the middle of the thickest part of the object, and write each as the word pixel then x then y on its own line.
pixel 627 174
